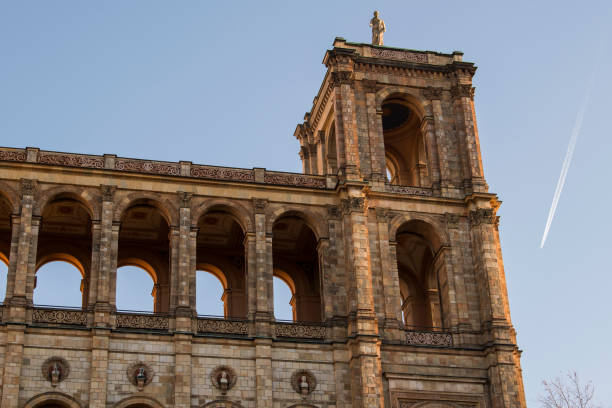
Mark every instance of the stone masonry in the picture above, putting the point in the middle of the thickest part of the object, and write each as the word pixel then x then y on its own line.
pixel 388 239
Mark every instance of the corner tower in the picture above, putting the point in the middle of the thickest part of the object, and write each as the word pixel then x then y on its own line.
pixel 396 129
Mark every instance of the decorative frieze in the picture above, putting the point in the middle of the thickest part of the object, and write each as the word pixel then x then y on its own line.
pixel 425 338
pixel 432 93
pixel 145 166
pixel 222 326
pixel 142 321
pixel 300 331
pixel 462 91
pixel 13 155
pixel 483 216
pixel 296 180
pixel 59 316
pixel 408 190
pixel 222 173
pixel 400 55
pixel 71 160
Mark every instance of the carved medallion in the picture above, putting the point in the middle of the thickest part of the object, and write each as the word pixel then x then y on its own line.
pixel 55 370
pixel 303 382
pixel 223 378
pixel 140 374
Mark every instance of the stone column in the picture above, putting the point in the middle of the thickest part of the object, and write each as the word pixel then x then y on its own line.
pixel 263 372
pixel 429 131
pixel 186 269
pixel 452 266
pixel 100 342
pixel 94 269
pixel 346 127
pixel 325 279
pixel 250 256
pixel 113 246
pixel 182 370
pixel 447 159
pixel 13 356
pixel 264 301
pixel 363 344
pixel 173 278
pixel 378 162
pixel 12 267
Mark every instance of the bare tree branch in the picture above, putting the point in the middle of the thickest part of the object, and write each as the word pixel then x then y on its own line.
pixel 567 392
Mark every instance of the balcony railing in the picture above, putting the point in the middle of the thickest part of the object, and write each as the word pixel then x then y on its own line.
pixel 428 336
pixel 220 325
pixel 300 330
pixel 142 320
pixel 59 315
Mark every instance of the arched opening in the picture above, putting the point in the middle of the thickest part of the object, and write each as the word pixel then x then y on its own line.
pixel 59 282
pixel 295 260
pixel 64 252
pixel 332 155
pixel 130 277
pixel 210 294
pixel 144 243
pixel 5 243
pixel 418 276
pixel 405 152
pixel 220 252
pixel 52 400
pixel 284 302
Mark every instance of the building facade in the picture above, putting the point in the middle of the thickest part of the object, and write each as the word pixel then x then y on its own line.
pixel 388 241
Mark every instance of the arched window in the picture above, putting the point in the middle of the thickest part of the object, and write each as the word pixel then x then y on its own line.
pixel 210 295
pixel 59 283
pixel 135 289
pixel 296 261
pixel 284 305
pixel 3 277
pixel 220 252
pixel 418 276
pixel 5 243
pixel 144 242
pixel 405 153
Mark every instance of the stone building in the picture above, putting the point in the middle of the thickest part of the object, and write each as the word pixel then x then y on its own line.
pixel 388 241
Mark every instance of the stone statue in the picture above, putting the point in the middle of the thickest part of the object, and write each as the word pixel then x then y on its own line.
pixel 378 29
pixel 304 386
pixel 56 373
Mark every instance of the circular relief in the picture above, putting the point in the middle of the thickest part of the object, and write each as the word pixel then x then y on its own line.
pixel 140 374
pixel 303 382
pixel 55 369
pixel 223 378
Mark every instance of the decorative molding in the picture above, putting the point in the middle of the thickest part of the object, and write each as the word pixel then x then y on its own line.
pixel 146 166
pixel 59 316
pixel 408 56
pixel 140 374
pixel 28 187
pixel 452 220
pixel 424 338
pixel 463 91
pixel 353 204
pixel 223 378
pixel 222 326
pixel 432 93
pixel 222 173
pixel 408 190
pixel 300 331
pixel 341 78
pixel 260 205
pixel 303 382
pixel 13 155
pixel 296 180
pixel 142 321
pixel 71 160
pixel 108 192
pixel 483 216
pixel 185 199
pixel 55 370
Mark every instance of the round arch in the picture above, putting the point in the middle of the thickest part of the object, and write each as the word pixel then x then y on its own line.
pixel 138 400
pixel 314 222
pixel 430 228
pixel 240 213
pixel 221 404
pixel 53 398
pixel 284 276
pixel 216 272
pixel 302 406
pixel 61 257
pixel 168 210
pixel 412 100
pixel 140 263
pixel 9 194
pixel 84 197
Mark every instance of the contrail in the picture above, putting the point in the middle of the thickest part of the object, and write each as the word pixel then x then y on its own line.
pixel 568 159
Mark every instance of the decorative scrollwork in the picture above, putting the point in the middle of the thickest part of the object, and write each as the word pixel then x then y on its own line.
pixel 222 326
pixel 145 166
pixel 297 180
pixel 222 173
pixel 300 331
pixel 424 338
pixel 59 316
pixel 418 191
pixel 13 155
pixel 71 160
pixel 408 56
pixel 142 321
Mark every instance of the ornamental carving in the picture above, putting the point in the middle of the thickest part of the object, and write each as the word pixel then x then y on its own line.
pixel 296 180
pixel 432 93
pixel 55 370
pixel 71 160
pixel 353 204
pixel 407 56
pixel 259 205
pixel 422 338
pixel 185 199
pixel 144 166
pixel 59 316
pixel 27 187
pixel 452 220
pixel 418 191
pixel 140 374
pixel 300 331
pixel 482 216
pixel 142 321
pixel 222 173
pixel 108 192
pixel 463 91
pixel 222 326
pixel 223 378
pixel 341 78
pixel 12 155
pixel 303 382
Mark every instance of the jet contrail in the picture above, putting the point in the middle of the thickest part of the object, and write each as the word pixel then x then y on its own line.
pixel 568 159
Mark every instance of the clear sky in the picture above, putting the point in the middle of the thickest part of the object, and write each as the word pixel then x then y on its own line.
pixel 227 83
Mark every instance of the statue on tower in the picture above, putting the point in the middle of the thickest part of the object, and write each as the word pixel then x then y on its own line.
pixel 378 29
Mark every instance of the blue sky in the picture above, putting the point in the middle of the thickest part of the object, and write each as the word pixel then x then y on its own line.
pixel 227 83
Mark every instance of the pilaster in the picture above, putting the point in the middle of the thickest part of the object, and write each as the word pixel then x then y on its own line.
pixel 13 357
pixel 264 302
